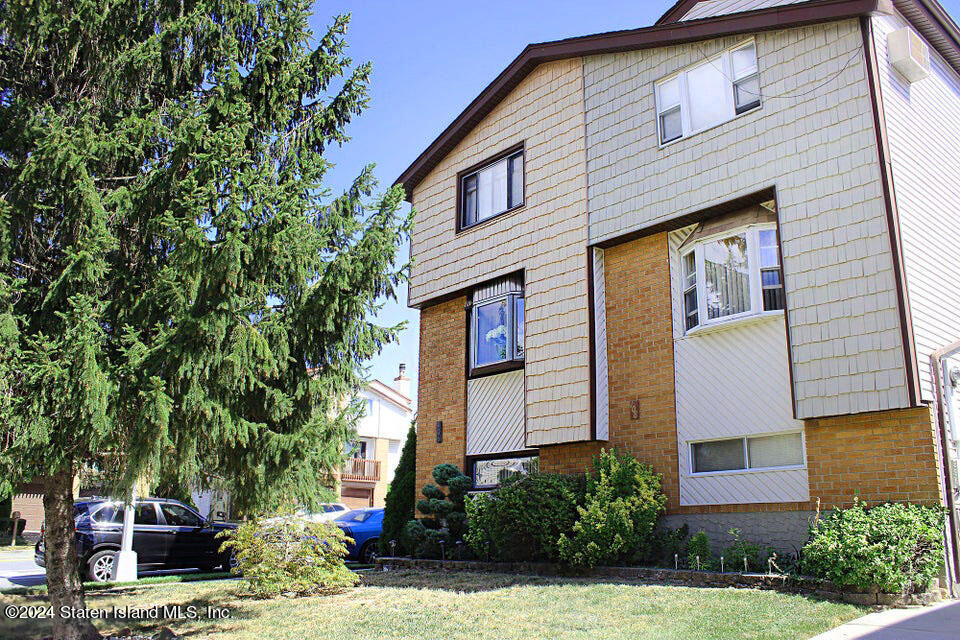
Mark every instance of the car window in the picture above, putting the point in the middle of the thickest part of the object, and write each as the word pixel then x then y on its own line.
pixel 355 516
pixel 110 513
pixel 146 514
pixel 177 516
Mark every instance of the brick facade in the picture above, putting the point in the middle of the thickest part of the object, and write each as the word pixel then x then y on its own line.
pixel 883 456
pixel 442 387
pixel 640 364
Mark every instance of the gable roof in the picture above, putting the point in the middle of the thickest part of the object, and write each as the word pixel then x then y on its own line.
pixel 926 15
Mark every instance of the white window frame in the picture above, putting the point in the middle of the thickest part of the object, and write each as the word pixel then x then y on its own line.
pixel 722 61
pixel 756 309
pixel 746 454
pixel 511 320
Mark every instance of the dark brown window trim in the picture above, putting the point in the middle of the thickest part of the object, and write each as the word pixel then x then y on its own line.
pixel 461 227
pixel 472 459
pixel 493 369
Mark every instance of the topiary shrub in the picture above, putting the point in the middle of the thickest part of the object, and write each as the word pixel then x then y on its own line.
pixel 289 554
pixel 523 519
pixel 895 547
pixel 699 553
pixel 622 505
pixel 401 499
pixel 445 520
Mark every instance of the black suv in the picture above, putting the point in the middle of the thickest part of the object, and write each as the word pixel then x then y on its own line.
pixel 166 534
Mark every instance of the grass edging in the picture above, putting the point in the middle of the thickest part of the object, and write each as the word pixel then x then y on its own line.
pixel 89 587
pixel 804 585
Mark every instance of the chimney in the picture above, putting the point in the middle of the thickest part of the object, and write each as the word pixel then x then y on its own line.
pixel 402 383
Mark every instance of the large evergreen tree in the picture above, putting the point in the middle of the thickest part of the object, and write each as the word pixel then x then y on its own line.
pixel 175 281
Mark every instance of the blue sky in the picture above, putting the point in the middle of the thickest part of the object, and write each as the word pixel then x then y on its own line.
pixel 430 59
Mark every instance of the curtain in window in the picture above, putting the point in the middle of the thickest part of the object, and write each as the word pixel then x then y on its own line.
pixel 775 451
pixel 727 276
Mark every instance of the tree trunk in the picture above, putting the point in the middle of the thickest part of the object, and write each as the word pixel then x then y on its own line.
pixel 63 582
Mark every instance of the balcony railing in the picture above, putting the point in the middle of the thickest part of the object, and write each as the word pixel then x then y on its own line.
pixel 361 469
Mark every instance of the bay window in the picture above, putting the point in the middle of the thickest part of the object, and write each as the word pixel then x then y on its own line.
pixel 709 93
pixel 492 189
pixel 730 275
pixel 496 327
pixel 774 451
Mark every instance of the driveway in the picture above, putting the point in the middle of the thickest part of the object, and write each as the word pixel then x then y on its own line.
pixel 938 622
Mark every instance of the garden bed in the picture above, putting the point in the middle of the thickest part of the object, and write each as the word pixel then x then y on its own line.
pixel 685 577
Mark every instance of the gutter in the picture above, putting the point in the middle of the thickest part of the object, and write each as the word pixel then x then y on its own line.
pixel 948 422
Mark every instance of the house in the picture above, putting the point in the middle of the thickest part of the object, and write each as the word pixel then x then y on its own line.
pixel 727 243
pixel 381 434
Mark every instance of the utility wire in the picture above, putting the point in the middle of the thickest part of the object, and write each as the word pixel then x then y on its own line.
pixel 788 94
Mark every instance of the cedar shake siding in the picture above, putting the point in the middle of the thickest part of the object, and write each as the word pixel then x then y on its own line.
pixel 546 238
pixel 816 145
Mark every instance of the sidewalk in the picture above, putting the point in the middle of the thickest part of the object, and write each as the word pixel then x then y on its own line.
pixel 938 622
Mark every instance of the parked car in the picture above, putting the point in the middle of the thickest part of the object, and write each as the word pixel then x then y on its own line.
pixel 364 526
pixel 329 512
pixel 166 534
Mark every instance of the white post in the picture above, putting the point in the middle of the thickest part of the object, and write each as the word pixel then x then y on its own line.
pixel 125 560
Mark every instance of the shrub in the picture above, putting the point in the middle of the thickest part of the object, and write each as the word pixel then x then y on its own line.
pixel 896 547
pixel 699 547
pixel 445 521
pixel 739 550
pixel 289 554
pixel 664 548
pixel 523 519
pixel 622 504
pixel 401 498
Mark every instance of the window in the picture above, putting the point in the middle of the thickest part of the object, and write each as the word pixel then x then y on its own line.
pixel 492 473
pixel 178 516
pixel 496 328
pixel 146 513
pixel 776 451
pixel 491 190
pixel 740 276
pixel 709 93
pixel 357 449
pixel 111 513
pixel 357 515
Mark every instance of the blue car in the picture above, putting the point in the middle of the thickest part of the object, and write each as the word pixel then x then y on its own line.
pixel 364 526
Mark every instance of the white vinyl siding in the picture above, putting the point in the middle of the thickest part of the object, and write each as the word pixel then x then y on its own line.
pixel 731 383
pixel 495 413
pixel 923 130
pixel 602 398
pixel 711 8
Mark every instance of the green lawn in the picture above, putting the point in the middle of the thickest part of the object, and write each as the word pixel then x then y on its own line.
pixel 407 604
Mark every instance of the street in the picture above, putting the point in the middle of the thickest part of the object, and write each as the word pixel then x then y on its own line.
pixel 17 569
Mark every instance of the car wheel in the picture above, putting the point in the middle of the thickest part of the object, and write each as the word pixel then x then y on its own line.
pixel 100 566
pixel 368 553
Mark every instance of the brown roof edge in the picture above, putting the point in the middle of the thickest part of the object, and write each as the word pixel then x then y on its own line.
pixel 617 41
pixel 677 11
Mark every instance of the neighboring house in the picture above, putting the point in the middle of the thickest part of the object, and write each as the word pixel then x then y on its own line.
pixel 381 433
pixel 727 243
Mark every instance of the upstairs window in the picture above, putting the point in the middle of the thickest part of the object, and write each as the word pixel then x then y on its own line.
pixel 491 190
pixel 730 274
pixel 709 93
pixel 496 326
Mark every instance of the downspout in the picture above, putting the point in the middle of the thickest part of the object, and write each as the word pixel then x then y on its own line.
pixel 943 388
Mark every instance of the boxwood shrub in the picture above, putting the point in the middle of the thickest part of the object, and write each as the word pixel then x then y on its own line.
pixel 895 547
pixel 523 519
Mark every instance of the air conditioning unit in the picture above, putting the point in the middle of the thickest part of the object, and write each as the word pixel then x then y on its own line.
pixel 909 54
